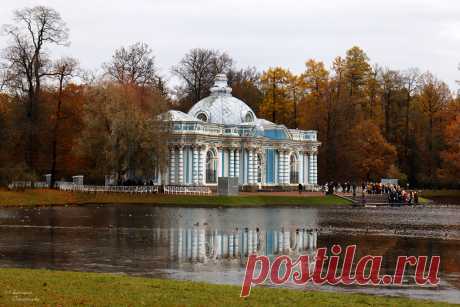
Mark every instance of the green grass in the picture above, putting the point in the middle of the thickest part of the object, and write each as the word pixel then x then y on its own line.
pixel 47 197
pixel 56 288
pixel 441 196
pixel 440 193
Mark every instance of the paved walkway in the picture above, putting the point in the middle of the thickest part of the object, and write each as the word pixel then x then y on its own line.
pixel 304 194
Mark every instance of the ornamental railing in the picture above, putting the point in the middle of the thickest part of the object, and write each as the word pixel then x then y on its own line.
pixel 28 185
pixel 211 129
pixel 299 135
pixel 153 189
pixel 186 190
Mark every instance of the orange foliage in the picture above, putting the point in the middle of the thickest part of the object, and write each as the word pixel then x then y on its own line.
pixel 369 155
pixel 451 156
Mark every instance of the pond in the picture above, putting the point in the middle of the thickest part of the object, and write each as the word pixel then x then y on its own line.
pixel 212 244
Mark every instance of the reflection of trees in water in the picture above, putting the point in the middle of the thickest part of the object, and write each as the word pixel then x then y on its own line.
pixel 201 245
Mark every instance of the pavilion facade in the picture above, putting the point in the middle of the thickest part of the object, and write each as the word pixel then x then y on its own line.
pixel 221 137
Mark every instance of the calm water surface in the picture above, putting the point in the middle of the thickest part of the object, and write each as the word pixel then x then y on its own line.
pixel 211 244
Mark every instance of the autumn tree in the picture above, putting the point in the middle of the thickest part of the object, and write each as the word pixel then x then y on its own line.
pixel 276 105
pixel 27 61
pixel 314 84
pixel 451 155
pixel 369 155
pixel 357 70
pixel 409 79
pixel 135 65
pixel 372 109
pixel 245 84
pixel 137 88
pixel 433 97
pixel 4 126
pixel 197 71
pixel 64 70
pixel 295 94
pixel 316 110
pixel 123 131
pixel 391 86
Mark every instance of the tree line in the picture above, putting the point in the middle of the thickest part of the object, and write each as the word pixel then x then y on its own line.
pixel 58 118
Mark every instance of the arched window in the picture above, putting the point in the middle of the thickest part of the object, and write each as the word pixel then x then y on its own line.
pixel 249 117
pixel 294 178
pixel 202 116
pixel 211 167
pixel 259 169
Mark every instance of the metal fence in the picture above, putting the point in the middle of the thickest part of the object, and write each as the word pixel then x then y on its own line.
pixel 184 190
pixel 28 185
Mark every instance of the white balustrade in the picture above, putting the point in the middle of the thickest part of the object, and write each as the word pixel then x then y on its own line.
pixel 171 189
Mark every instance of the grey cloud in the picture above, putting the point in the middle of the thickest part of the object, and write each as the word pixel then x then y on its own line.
pixel 395 33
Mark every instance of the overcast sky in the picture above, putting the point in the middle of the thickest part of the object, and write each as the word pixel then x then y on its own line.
pixel 394 33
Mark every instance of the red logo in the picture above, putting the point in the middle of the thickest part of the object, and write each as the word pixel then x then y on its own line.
pixel 325 269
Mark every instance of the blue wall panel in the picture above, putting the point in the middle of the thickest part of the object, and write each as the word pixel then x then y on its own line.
pixel 270 166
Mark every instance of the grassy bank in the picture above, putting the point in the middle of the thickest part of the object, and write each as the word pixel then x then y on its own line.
pixel 55 288
pixel 35 197
pixel 451 197
pixel 440 193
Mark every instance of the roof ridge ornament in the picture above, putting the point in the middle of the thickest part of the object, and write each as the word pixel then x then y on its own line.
pixel 220 87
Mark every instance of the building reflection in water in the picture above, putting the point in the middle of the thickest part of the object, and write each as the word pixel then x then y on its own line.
pixel 199 244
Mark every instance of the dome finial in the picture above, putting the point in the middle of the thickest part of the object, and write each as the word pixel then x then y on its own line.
pixel 221 86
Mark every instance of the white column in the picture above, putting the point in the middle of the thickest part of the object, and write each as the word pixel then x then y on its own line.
pixel 172 165
pixel 310 168
pixel 250 166
pixel 237 163
pixel 283 168
pixel 195 166
pixel 300 167
pixel 219 162
pixel 305 168
pixel 315 168
pixel 256 166
pixel 287 168
pixel 202 166
pixel 280 167
pixel 181 165
pixel 232 162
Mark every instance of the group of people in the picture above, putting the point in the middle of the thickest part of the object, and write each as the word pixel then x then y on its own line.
pixel 400 196
pixel 376 188
pixel 395 193
pixel 334 187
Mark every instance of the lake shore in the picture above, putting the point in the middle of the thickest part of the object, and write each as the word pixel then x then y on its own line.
pixel 60 288
pixel 48 197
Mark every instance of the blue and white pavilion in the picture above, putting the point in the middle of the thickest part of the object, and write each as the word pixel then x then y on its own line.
pixel 222 137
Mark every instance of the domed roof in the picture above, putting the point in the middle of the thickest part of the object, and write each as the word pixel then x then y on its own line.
pixel 177 116
pixel 221 107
